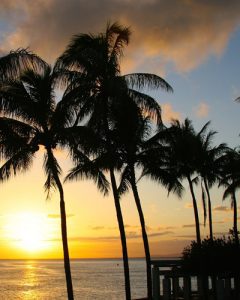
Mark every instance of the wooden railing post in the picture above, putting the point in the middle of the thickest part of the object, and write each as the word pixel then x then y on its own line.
pixel 228 287
pixel 220 289
pixel 187 288
pixel 166 289
pixel 175 281
pixel 155 283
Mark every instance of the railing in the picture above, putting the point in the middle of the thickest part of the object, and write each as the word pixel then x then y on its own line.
pixel 169 282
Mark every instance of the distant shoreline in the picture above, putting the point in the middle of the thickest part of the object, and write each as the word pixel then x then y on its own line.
pixel 91 258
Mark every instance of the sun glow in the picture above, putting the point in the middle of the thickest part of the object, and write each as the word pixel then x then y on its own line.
pixel 29 231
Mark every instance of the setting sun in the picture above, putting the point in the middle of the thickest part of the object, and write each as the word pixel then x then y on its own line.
pixel 29 231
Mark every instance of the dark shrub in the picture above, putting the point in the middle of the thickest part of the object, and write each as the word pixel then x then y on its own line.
pixel 212 257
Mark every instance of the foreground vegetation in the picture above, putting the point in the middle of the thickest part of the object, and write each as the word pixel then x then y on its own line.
pixel 109 126
pixel 212 257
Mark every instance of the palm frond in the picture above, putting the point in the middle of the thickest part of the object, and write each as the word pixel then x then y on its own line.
pixel 148 105
pixel 14 135
pixel 195 180
pixel 88 169
pixel 237 99
pixel 204 203
pixel 14 63
pixel 19 162
pixel 147 80
pixel 202 132
pixel 117 37
pixel 125 181
pixel 52 171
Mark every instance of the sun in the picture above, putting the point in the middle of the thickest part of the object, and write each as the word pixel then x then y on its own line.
pixel 29 230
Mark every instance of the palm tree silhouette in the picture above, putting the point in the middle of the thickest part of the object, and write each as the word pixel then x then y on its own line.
pixel 209 165
pixel 91 164
pixel 183 158
pixel 93 62
pixel 230 179
pixel 30 118
pixel 131 137
pixel 15 62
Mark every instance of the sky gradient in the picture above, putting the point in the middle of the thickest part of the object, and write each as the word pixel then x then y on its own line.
pixel 195 46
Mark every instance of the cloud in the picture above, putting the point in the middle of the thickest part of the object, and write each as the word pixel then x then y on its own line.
pixel 202 110
pixel 57 216
pixel 112 228
pixel 190 225
pixel 187 236
pixel 166 227
pixel 129 235
pixel 160 233
pixel 222 208
pixel 180 33
pixel 188 205
pixel 148 228
pixel 168 114
pixel 224 233
pixel 131 226
pixel 97 227
pixel 219 222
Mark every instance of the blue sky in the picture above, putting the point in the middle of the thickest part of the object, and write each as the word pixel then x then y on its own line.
pixel 195 46
pixel 216 82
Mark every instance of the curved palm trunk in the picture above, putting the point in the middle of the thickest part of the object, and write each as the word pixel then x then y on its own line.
pixel 144 233
pixel 65 242
pixel 235 227
pixel 64 234
pixel 122 234
pixel 209 210
pixel 198 236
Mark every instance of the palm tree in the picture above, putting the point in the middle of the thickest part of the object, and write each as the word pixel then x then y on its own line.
pixel 93 63
pixel 230 179
pixel 13 63
pixel 183 158
pixel 91 164
pixel 30 118
pixel 131 137
pixel 209 163
pixel 140 151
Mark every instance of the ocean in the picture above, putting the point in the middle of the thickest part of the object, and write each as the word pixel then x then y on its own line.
pixel 95 279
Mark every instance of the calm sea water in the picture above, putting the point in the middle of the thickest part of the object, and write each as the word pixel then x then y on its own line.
pixel 92 279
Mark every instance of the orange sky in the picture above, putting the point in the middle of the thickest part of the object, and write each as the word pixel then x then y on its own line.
pixel 195 46
pixel 30 224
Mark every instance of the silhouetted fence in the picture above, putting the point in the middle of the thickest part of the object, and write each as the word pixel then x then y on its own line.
pixel 170 282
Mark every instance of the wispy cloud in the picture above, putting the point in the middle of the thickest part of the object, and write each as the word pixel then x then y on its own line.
pixel 219 222
pixel 186 236
pixel 57 216
pixel 222 208
pixel 168 113
pixel 202 110
pixel 131 226
pixel 166 227
pixel 182 33
pixel 188 205
pixel 129 235
pixel 97 227
pixel 190 225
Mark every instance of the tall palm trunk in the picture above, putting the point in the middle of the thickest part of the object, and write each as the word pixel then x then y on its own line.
pixel 235 227
pixel 198 236
pixel 122 234
pixel 64 233
pixel 144 233
pixel 209 209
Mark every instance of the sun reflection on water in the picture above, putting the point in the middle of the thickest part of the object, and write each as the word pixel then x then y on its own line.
pixel 30 282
